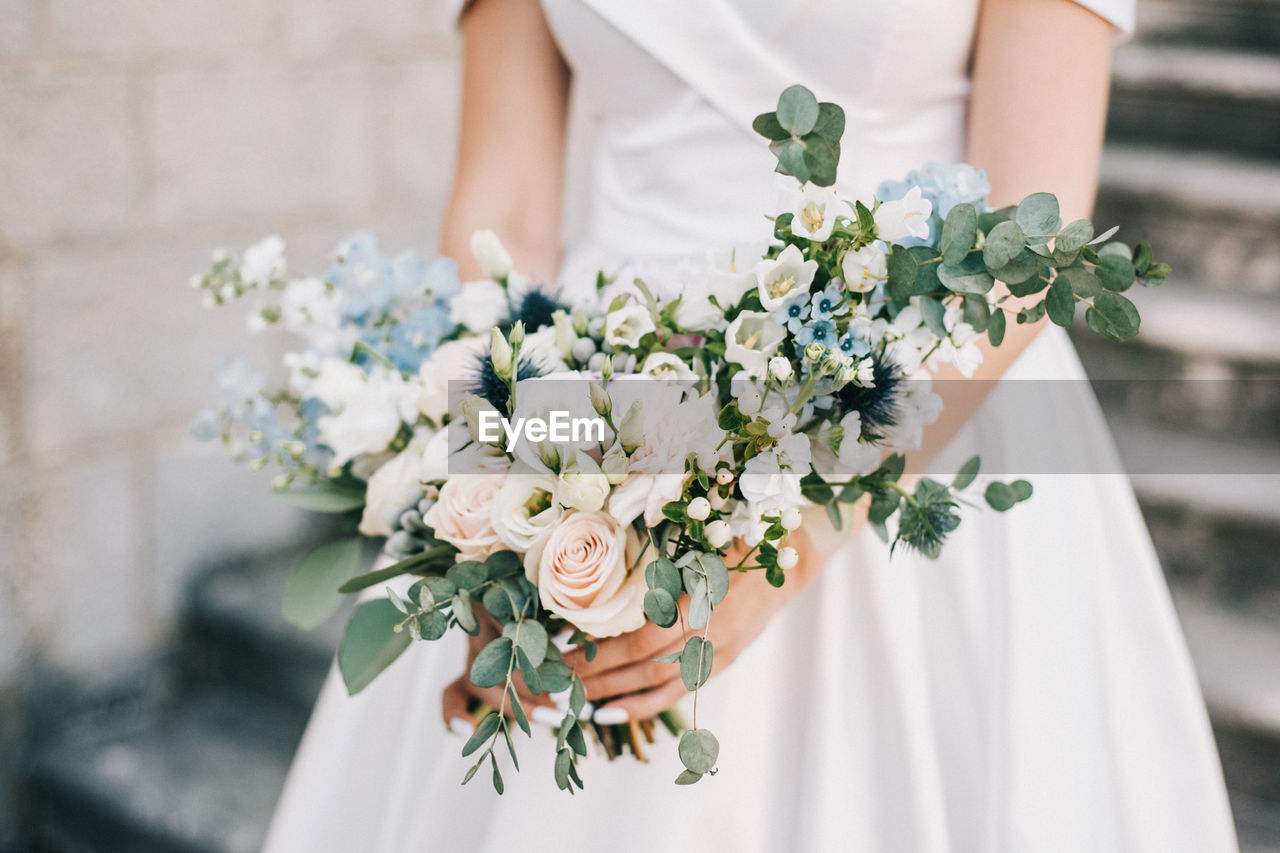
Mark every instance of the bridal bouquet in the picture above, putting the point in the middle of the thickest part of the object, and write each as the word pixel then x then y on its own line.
pixel 549 471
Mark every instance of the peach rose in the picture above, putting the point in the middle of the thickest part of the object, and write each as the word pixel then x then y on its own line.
pixel 463 514
pixel 582 571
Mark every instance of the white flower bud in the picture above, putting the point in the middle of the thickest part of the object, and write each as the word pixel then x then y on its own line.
pixel 699 509
pixel 582 349
pixel 566 338
pixel 719 534
pixel 814 352
pixel 600 400
pixel 614 465
pixel 500 352
pixel 517 334
pixel 488 251
pixel 724 476
pixel 780 368
pixel 631 430
pixel 788 557
pixel 791 518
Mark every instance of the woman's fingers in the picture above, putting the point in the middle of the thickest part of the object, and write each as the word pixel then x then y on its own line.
pixel 642 644
pixel 642 706
pixel 631 678
pixel 453 707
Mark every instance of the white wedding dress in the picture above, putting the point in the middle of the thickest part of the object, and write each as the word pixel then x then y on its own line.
pixel 1029 691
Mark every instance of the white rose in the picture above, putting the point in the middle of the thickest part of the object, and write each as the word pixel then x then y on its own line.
pixel 370 414
pixel 463 515
pixel 814 210
pixel 751 340
pixel 581 569
pixel 479 306
pixel 626 326
pixel 487 249
pixel 778 279
pixel 525 509
pixel 864 269
pixel 581 484
pixel 907 217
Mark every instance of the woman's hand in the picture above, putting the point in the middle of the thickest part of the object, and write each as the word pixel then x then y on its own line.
pixel 624 666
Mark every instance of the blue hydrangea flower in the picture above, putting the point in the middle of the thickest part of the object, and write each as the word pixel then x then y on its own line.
pixel 945 187
pixel 794 311
pixel 829 303
pixel 206 425
pixel 817 332
pixel 852 345
pixel 415 337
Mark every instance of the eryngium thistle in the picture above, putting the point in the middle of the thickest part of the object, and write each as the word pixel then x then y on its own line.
pixel 535 308
pixel 491 387
pixel 923 525
pixel 877 405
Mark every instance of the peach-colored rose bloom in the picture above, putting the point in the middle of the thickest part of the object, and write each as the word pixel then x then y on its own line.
pixel 582 569
pixel 463 514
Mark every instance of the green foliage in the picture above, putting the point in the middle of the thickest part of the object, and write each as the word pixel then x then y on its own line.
pixel 373 639
pixel 959 231
pixel 804 136
pixel 324 497
pixel 312 594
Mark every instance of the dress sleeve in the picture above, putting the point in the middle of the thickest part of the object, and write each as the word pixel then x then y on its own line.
pixel 1119 12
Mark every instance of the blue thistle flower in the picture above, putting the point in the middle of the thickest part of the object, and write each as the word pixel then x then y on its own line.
pixel 488 385
pixel 877 405
pixel 535 308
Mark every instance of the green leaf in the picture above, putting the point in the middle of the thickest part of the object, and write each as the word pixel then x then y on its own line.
pixel 699 750
pixel 717 576
pixel 902 273
pixel 528 671
pixel 975 312
pixel 323 499
pixel 1083 283
pixel 503 563
pixel 367 580
pixel 1021 489
pixel 469 574
pixel 370 643
pixel 768 126
pixel 933 312
pixel 464 614
pixel 687 777
pixel 663 574
pixel 1119 313
pixel 1038 217
pixel 699 605
pixel 1115 272
pixel 432 626
pixel 996 327
pixel 577 697
pixel 968 471
pixel 497 774
pixel 1105 235
pixel 487 728
pixel 1022 268
pixel 312 594
pixel 969 276
pixel 563 758
pixel 1073 238
pixel 496 600
pixel 1060 302
pixel 1000 496
pixel 821 157
pixel 660 607
pixel 797 110
pixel 532 638
pixel 959 231
pixel 555 676
pixel 1142 256
pixel 1031 314
pixel 1004 245
pixel 830 124
pixel 790 154
pixel 926 258
pixel 492 664
pixel 671 658
pixel 695 662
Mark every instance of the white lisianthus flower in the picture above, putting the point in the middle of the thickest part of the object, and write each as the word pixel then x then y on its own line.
pixel 582 485
pixel 864 269
pixel 695 312
pixel 479 306
pixel 487 249
pixel 814 211
pixel 752 339
pixel 664 365
pixel 525 509
pixel 337 382
pixel 263 262
pixel 906 217
pixel 626 326
pixel 778 279
pixel 370 419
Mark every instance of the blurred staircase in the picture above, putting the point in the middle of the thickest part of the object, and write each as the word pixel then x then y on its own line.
pixel 1196 97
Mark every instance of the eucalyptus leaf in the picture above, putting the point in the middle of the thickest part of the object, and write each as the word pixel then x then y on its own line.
pixel 532 638
pixel 968 471
pixel 933 312
pixel 699 605
pixel 797 110
pixel 717 576
pixel 1000 496
pixel 313 593
pixel 1038 217
pixel 487 728
pixel 830 124
pixel 370 643
pixel 969 276
pixel 491 665
pixel 501 564
pixel 464 614
pixel 790 154
pixel 699 750
pixel 996 327
pixel 959 231
pixel 687 777
pixel 1119 313
pixel 902 273
pixel 1060 302
pixel 662 574
pixel 1115 272
pixel 469 574
pixel 1083 283
pixel 431 626
pixel 768 126
pixel 695 662
pixel 821 157
pixel 1022 268
pixel 660 607
pixel 1003 245
pixel 555 676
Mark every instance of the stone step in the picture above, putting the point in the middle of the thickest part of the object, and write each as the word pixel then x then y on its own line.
pixel 1213 217
pixel 1246 24
pixel 235 635
pixel 1190 97
pixel 203 778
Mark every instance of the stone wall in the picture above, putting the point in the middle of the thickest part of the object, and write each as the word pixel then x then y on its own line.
pixel 135 136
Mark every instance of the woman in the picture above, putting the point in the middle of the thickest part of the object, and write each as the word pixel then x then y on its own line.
pixel 1028 691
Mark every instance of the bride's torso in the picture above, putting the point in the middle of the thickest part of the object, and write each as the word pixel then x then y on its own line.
pixel 669 89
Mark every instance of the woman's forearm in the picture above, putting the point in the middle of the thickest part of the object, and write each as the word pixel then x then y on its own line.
pixel 511 138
